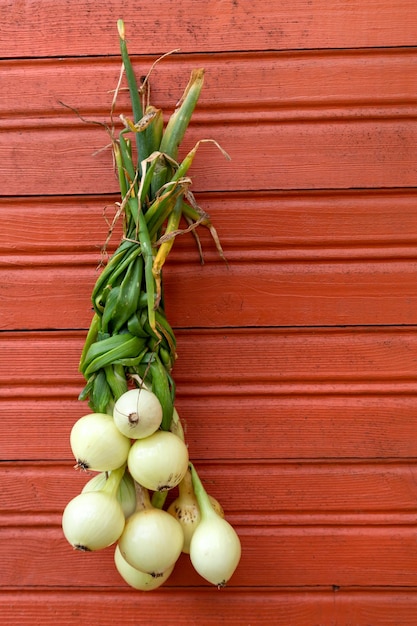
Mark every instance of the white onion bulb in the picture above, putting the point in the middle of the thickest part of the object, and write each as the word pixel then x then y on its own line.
pixel 97 444
pixel 137 413
pixel 215 548
pixel 152 541
pixel 93 520
pixel 137 579
pixel 158 462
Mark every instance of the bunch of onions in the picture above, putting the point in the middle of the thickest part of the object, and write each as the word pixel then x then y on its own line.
pixel 133 438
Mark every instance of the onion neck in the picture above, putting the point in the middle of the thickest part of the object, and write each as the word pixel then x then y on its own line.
pixel 158 499
pixel 111 486
pixel 186 490
pixel 176 427
pixel 144 499
pixel 206 508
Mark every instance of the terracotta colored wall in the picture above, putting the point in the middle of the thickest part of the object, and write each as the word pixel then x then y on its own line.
pixel 297 369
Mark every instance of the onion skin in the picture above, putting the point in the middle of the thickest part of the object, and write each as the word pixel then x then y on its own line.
pixel 188 515
pixel 126 493
pixel 97 444
pixel 137 413
pixel 152 541
pixel 92 521
pixel 215 548
pixel 176 426
pixel 185 509
pixel 158 462
pixel 137 579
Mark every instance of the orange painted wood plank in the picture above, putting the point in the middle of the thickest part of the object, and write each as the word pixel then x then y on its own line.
pixel 259 425
pixel 84 28
pixel 313 360
pixel 271 557
pixel 284 493
pixel 322 154
pixel 298 607
pixel 244 293
pixel 309 225
pixel 65 226
pixel 292 294
pixel 204 605
pixel 332 424
pixel 285 85
pixel 282 393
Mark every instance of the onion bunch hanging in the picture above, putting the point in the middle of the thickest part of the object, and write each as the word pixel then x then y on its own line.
pixel 133 437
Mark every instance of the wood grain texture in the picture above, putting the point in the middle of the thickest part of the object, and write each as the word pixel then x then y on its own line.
pixel 293 358
pixel 261 225
pixel 284 493
pixel 339 607
pixel 272 556
pixel 88 28
pixel 313 121
pixel 290 85
pixel 344 257
pixel 337 154
pixel 335 425
pixel 215 295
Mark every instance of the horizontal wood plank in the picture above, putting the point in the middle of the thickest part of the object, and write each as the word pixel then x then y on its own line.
pixel 271 557
pixel 261 424
pixel 238 607
pixel 240 294
pixel 121 605
pixel 84 28
pixel 260 225
pixel 311 359
pixel 283 85
pixel 273 155
pixel 317 258
pixel 281 493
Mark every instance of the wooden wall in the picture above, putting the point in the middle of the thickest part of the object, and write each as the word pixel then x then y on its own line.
pixel 297 369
